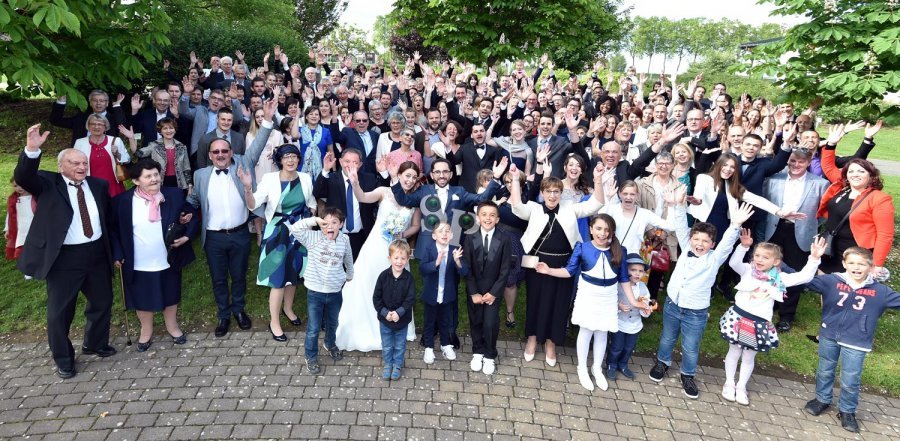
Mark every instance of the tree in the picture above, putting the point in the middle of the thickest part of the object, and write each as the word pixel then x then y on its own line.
pixel 317 18
pixel 509 29
pixel 64 47
pixel 382 31
pixel 407 41
pixel 347 40
pixel 847 53
pixel 576 59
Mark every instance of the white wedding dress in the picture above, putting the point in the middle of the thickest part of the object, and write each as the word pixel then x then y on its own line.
pixel 358 326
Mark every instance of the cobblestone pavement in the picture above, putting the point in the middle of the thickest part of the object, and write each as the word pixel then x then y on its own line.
pixel 248 386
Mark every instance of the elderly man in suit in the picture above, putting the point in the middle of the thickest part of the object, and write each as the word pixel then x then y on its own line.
pixel 219 195
pixel 223 130
pixel 796 190
pixel 362 139
pixel 68 245
pixel 99 104
pixel 334 187
pixel 205 117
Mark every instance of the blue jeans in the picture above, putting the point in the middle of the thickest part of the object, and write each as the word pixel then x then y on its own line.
pixel 321 305
pixel 851 371
pixel 393 346
pixel 620 352
pixel 227 255
pixel 689 323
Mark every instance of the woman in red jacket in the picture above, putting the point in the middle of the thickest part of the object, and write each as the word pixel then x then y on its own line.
pixel 857 187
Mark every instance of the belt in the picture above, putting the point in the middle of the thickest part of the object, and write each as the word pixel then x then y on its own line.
pixel 230 230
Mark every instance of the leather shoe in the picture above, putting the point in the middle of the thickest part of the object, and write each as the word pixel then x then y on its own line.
pixel 243 320
pixel 848 421
pixel 222 327
pixel 295 322
pixel 102 352
pixel 783 326
pixel 180 340
pixel 65 374
pixel 142 347
pixel 281 337
pixel 815 407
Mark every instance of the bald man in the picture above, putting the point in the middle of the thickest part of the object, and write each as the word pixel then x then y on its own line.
pixel 71 259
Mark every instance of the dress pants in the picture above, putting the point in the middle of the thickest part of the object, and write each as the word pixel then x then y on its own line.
pixel 793 257
pixel 84 268
pixel 484 321
pixel 356 242
pixel 227 254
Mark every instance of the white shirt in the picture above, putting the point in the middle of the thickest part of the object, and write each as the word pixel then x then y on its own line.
pixel 160 116
pixel 226 208
pixel 442 194
pixel 357 222
pixel 480 151
pixel 490 237
pixel 149 247
pixel 793 193
pixel 75 234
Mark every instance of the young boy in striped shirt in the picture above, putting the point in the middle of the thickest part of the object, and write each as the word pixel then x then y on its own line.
pixel 329 266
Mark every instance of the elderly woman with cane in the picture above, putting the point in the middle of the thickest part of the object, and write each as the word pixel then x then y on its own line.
pixel 151 230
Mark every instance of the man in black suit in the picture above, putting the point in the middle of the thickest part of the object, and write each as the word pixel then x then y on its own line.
pixel 144 121
pixel 68 245
pixel 98 101
pixel 362 139
pixel 560 148
pixel 475 156
pixel 334 187
pixel 224 120
pixel 489 256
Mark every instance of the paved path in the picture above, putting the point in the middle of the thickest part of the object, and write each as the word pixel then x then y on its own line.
pixel 248 386
pixel 887 167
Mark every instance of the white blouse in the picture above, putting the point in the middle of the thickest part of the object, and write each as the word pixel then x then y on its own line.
pixel 150 252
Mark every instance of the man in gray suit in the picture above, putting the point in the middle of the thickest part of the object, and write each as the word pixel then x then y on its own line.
pixel 219 194
pixel 795 190
pixel 224 119
pixel 204 117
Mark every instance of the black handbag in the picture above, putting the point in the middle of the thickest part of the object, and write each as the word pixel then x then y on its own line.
pixel 828 235
pixel 175 231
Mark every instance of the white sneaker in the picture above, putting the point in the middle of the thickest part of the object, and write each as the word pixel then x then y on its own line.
pixel 728 392
pixel 429 356
pixel 489 366
pixel 584 378
pixel 477 362
pixel 741 397
pixel 449 353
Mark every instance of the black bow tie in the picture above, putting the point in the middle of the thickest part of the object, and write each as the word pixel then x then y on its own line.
pixel 479 147
pixel 691 254
pixel 221 170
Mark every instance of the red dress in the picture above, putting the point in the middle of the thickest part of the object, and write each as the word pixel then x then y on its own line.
pixel 101 166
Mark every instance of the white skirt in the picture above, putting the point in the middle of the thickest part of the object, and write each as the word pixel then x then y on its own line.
pixel 596 307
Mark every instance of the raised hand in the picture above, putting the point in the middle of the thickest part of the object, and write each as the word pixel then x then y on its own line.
pixel 128 132
pixel 514 173
pixel 240 56
pixel 136 104
pixel 245 177
pixel 851 126
pixel 542 153
pixel 457 256
pixel 173 107
pixel 746 237
pixel 793 215
pixel 744 212
pixel 835 134
pixel 672 133
pixel 187 84
pixel 500 167
pixel 35 139
pixel 817 248
pixel 872 129
pixel 269 108
pixel 328 162
pixel 790 132
pixel 193 58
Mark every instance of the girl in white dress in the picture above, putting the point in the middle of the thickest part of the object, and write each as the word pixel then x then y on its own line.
pixel 603 269
pixel 358 328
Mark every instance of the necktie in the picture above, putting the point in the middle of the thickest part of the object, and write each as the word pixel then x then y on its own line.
pixel 367 142
pixel 219 171
pixel 442 271
pixel 225 137
pixel 86 226
pixel 543 142
pixel 351 224
pixel 486 248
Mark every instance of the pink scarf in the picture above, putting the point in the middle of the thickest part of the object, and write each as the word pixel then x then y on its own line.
pixel 153 201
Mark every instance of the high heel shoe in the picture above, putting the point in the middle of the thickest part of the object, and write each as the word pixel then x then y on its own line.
pixel 510 323
pixel 295 322
pixel 281 337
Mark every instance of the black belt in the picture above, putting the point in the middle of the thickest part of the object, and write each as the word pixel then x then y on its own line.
pixel 231 230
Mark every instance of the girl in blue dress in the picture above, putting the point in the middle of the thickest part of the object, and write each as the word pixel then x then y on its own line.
pixel 603 268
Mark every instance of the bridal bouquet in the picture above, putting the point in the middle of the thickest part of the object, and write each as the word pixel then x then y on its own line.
pixel 394 225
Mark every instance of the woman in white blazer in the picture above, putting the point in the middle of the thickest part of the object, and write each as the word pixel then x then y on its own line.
pixel 551 235
pixel 720 190
pixel 103 152
pixel 287 194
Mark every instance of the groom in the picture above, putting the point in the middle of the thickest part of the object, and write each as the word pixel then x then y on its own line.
pixel 334 187
pixel 451 197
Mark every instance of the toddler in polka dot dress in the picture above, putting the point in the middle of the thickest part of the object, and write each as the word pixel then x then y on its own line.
pixel 747 325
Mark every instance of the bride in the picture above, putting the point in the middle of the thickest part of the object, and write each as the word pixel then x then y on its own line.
pixel 358 328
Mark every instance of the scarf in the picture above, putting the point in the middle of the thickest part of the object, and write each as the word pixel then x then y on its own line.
pixel 153 201
pixel 772 276
pixel 312 158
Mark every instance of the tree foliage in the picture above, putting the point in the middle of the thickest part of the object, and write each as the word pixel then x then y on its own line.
pixel 847 53
pixel 578 58
pixel 347 40
pixel 406 40
pixel 65 47
pixel 317 18
pixel 508 29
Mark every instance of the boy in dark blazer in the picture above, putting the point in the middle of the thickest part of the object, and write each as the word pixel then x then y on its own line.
pixel 441 267
pixel 489 258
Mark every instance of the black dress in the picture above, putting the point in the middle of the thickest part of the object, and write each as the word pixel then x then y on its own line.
pixel 838 207
pixel 548 297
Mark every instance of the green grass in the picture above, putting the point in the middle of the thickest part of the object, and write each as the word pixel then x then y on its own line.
pixel 24 311
pixel 887 143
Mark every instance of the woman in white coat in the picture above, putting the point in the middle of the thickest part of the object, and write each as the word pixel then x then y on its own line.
pixel 287 194
pixel 103 152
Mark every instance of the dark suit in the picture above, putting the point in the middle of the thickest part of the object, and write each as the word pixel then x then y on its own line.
pixel 145 124
pixel 472 164
pixel 350 138
pixel 439 316
pixel 488 272
pixel 333 190
pixel 235 138
pixel 76 123
pixel 560 149
pixel 68 269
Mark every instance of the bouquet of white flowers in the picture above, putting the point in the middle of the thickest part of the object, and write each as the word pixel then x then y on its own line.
pixel 394 226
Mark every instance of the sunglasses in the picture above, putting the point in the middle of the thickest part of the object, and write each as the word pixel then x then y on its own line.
pixel 220 152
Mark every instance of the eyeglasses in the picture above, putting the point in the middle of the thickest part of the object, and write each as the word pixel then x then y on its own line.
pixel 290 156
pixel 440 172
pixel 220 152
pixel 695 119
pixel 552 192
pixel 663 164
pixel 360 120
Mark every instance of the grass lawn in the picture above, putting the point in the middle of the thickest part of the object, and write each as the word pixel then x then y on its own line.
pixel 887 143
pixel 24 313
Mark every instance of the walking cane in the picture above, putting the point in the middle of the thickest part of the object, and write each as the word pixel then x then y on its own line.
pixel 124 308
